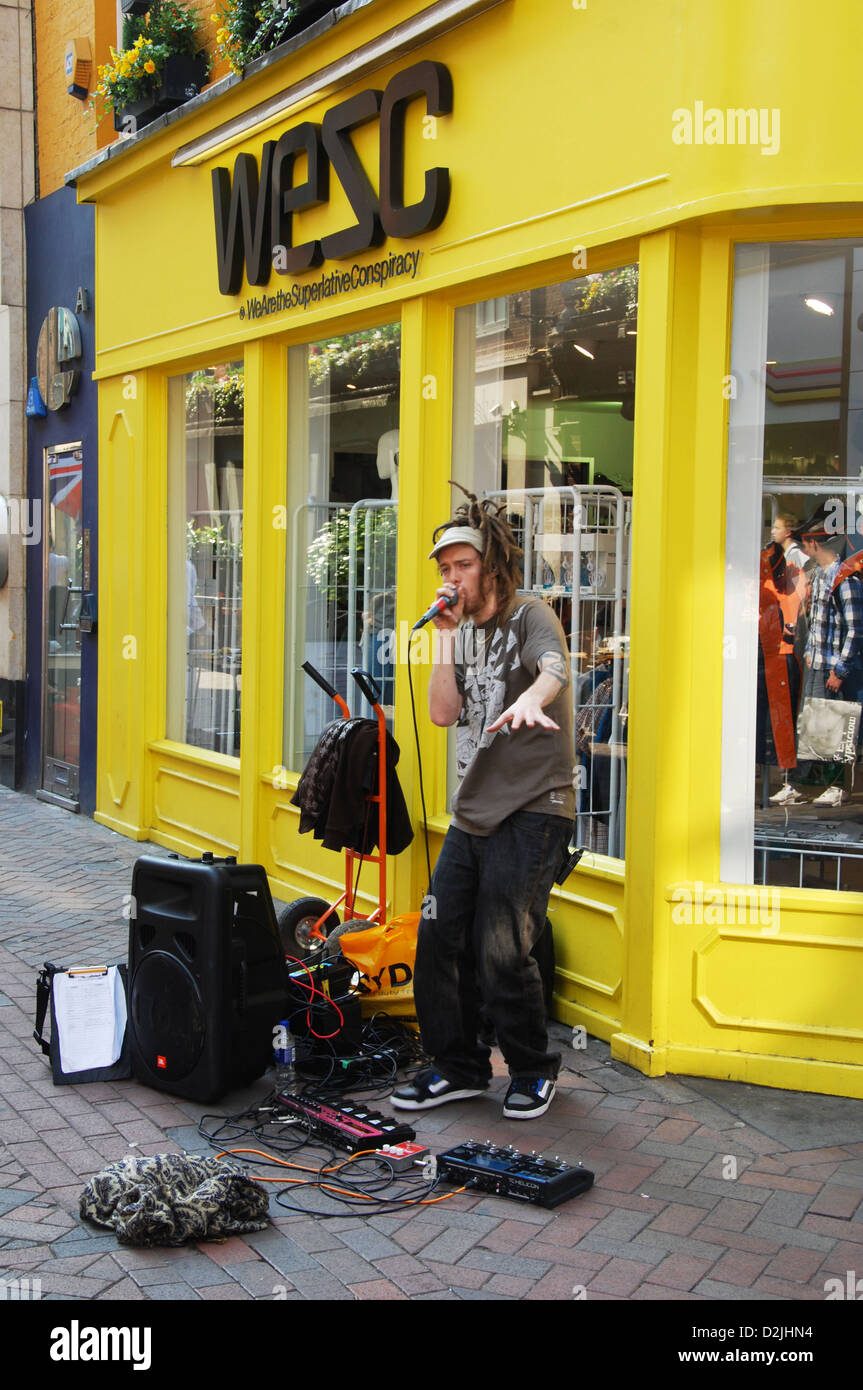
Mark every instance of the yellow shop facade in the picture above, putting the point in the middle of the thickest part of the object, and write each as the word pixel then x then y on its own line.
pixel 603 262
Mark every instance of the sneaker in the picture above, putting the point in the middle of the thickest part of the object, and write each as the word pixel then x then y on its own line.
pixel 833 796
pixel 527 1099
pixel 429 1088
pixel 787 796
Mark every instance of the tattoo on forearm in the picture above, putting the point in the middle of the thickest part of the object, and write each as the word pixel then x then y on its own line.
pixel 553 664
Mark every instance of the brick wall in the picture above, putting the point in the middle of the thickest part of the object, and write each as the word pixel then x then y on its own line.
pixel 66 128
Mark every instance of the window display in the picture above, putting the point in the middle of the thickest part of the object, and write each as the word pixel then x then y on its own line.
pixel 343 469
pixel 543 406
pixel 205 557
pixel 794 596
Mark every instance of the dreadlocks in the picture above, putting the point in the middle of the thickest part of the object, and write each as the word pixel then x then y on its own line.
pixel 500 550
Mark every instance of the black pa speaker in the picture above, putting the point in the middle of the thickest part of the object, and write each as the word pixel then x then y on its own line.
pixel 207 978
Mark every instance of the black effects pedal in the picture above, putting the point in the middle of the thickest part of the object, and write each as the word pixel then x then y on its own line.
pixel 507 1173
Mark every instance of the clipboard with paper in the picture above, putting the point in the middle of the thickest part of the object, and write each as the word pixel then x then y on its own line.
pixel 89 1037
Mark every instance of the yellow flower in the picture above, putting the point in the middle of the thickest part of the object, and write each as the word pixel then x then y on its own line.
pixel 221 35
pixel 150 66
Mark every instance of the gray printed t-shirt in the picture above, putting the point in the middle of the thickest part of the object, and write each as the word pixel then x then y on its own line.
pixel 504 772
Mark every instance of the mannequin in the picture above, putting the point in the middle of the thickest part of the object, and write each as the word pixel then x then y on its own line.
pixel 388 460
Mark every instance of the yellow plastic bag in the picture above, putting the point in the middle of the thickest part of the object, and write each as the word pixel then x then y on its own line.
pixel 384 958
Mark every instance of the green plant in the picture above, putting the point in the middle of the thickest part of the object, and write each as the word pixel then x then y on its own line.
pixel 135 74
pixel 328 563
pixel 354 355
pixel 608 290
pixel 227 395
pixel 212 542
pixel 166 24
pixel 250 28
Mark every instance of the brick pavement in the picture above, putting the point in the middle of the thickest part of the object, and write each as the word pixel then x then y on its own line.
pixel 663 1221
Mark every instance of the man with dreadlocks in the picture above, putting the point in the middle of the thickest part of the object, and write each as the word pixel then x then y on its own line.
pixel 501 673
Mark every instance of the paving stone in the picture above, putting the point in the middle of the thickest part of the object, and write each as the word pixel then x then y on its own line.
pixel 677 1220
pixel 397 1266
pixel 378 1289
pixel 783 1288
pixel 777 1183
pixel 370 1244
pixel 497 1263
pixel 739 1267
pixel 736 1240
pixel 257 1278
pixel 619 1276
pixel 717 1291
pixel 413 1284
pixel 785 1208
pixel 347 1265
pixel 317 1283
pixel 508 1284
pixel 227 1252
pixel 665 1240
pixel 623 1249
pixel 172 1293
pixel 480 1221
pixel 788 1235
pixel 450 1245
pixel 836 1201
pixel 622 1225
pixel 125 1290
pixel 796 1265
pixel 9 1200
pixel 283 1253
pixel 681 1271
pixel 458 1276
pixel 838 1230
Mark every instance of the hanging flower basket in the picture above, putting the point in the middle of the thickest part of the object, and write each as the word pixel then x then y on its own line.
pixel 182 78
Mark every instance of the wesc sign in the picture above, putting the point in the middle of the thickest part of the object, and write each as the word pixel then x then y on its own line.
pixel 255 213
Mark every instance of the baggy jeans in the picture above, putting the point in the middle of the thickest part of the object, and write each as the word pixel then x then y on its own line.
pixel 489 897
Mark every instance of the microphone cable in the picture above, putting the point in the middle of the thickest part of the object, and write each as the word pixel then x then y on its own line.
pixel 420 767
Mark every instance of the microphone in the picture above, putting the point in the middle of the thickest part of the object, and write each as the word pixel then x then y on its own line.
pixel 446 601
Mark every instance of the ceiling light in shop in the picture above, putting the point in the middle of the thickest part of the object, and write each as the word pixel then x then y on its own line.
pixel 818 306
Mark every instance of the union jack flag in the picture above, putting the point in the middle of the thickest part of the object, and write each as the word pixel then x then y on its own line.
pixel 66 473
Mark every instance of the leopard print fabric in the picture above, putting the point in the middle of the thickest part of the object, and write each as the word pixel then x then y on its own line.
pixel 167 1199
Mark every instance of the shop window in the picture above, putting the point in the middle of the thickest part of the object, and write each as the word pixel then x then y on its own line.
pixel 343 479
pixel 205 557
pixel 543 405
pixel 792 802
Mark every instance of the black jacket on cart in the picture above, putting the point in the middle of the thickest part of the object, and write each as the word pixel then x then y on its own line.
pixel 341 773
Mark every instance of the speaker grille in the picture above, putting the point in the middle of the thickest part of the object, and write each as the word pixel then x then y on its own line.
pixel 168 1016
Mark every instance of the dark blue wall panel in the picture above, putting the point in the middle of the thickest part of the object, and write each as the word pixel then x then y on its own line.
pixel 60 259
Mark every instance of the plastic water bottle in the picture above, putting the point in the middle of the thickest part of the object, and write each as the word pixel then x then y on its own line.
pixel 285 1050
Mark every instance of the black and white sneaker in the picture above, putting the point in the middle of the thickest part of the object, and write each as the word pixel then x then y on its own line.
pixel 526 1099
pixel 429 1088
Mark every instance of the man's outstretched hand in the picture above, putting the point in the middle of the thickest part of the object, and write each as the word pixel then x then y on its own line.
pixel 526 710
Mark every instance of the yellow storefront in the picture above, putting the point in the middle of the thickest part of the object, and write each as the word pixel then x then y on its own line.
pixel 245 435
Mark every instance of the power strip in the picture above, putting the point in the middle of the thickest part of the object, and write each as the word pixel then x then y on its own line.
pixel 508 1173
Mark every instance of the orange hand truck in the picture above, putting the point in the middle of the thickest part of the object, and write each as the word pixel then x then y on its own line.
pixel 305 924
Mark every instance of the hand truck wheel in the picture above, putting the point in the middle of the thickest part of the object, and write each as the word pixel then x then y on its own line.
pixel 333 943
pixel 296 921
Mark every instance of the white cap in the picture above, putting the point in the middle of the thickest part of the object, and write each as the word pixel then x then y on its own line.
pixel 458 535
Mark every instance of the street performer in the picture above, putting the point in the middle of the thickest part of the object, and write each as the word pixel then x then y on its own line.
pixel 501 673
